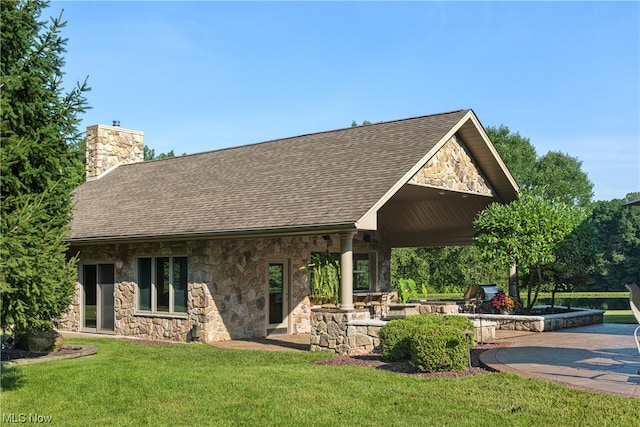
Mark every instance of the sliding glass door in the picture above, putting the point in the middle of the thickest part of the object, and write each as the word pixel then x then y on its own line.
pixel 98 283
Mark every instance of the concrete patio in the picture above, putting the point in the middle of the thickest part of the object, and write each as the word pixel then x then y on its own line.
pixel 600 358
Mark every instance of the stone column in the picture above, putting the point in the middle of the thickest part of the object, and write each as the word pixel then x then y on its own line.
pixel 346 270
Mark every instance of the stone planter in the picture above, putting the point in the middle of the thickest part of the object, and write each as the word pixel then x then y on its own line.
pixel 402 311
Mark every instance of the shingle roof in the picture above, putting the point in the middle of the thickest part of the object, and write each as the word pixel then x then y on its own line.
pixel 324 179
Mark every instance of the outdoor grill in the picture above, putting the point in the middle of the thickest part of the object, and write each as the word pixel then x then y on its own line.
pixel 482 292
pixel 478 297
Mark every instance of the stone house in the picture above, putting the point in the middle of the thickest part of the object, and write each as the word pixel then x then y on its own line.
pixel 210 245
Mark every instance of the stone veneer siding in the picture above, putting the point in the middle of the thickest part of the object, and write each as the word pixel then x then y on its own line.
pixel 453 168
pixel 108 146
pixel 226 284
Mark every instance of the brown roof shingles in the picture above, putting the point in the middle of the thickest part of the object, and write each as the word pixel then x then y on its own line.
pixel 320 179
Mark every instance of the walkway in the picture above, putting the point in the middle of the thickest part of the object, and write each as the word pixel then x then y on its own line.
pixel 600 358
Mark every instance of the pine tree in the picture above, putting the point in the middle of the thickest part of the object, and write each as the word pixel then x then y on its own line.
pixel 39 127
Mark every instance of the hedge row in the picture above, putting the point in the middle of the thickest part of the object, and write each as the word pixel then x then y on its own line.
pixel 430 342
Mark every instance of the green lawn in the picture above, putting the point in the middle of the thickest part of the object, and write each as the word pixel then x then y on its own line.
pixel 193 384
pixel 619 316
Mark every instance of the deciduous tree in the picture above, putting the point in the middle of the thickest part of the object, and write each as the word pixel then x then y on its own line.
pixel 517 152
pixel 618 244
pixel 526 233
pixel 560 176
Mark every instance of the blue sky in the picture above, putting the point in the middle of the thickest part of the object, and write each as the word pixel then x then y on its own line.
pixel 197 76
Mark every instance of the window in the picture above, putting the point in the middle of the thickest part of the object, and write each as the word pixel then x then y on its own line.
pixel 162 284
pixel 363 270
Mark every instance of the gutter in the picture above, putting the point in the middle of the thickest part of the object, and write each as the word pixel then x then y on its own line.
pixel 226 234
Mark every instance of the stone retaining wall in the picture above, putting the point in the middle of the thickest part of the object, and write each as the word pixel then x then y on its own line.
pixel 344 332
pixel 354 333
pixel 547 322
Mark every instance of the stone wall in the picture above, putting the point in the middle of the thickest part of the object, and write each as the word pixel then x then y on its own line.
pixel 439 307
pixel 227 284
pixel 354 333
pixel 108 146
pixel 71 321
pixel 453 168
pixel 541 323
pixel 344 332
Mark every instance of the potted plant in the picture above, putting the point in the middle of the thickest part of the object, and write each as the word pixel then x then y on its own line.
pixel 323 273
pixel 503 303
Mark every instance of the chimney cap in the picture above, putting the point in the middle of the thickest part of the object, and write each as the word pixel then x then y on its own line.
pixel 116 123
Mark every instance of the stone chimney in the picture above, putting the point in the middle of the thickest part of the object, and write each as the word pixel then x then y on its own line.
pixel 110 146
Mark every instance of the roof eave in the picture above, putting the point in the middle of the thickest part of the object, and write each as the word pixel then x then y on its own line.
pixel 225 234
pixel 507 192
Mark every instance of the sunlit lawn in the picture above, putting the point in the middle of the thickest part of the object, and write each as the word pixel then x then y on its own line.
pixel 194 384
pixel 619 316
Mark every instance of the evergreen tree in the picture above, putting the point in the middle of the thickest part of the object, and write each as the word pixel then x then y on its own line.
pixel 39 125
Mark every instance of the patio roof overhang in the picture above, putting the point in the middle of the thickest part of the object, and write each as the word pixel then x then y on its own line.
pixel 418 216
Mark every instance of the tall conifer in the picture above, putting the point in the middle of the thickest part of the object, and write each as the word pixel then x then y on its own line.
pixel 39 127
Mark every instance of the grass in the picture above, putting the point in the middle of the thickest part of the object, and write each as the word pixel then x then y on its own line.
pixel 619 316
pixel 134 384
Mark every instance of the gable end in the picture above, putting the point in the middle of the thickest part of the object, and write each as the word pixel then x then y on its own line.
pixel 453 168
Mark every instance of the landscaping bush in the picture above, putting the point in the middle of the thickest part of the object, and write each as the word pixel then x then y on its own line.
pixel 459 322
pixel 396 336
pixel 431 342
pixel 439 348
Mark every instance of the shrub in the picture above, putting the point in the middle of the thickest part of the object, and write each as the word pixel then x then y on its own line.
pixel 459 322
pixel 396 336
pixel 431 342
pixel 439 348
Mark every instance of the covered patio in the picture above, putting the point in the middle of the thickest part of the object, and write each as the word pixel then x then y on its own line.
pixel 437 200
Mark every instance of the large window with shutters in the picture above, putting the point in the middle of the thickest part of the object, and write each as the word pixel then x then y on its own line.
pixel 162 285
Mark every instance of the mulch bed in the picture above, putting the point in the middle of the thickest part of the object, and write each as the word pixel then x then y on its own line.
pixel 374 360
